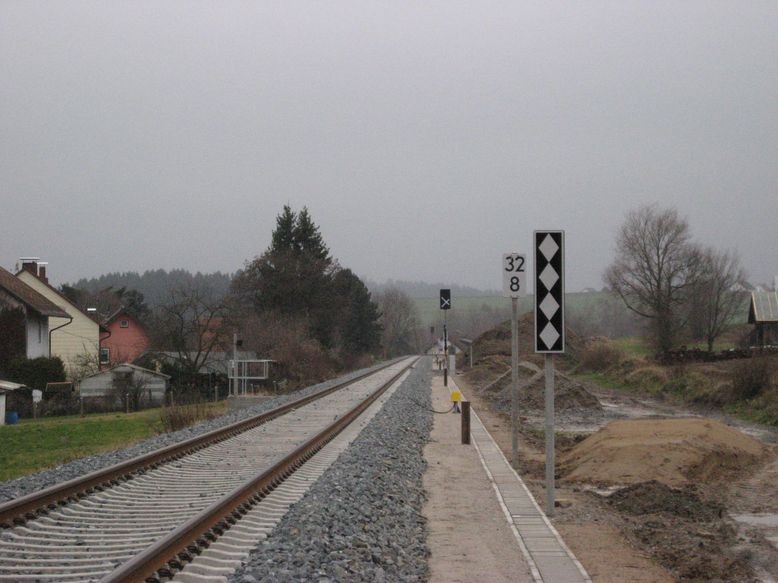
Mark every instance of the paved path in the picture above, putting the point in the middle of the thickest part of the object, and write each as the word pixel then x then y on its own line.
pixel 546 554
pixel 469 539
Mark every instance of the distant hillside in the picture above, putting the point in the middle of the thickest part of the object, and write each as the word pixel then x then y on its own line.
pixel 156 284
pixel 423 289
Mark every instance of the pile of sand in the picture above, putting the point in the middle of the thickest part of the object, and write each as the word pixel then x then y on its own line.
pixel 672 451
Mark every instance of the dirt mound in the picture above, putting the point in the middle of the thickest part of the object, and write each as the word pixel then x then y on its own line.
pixel 497 341
pixel 689 536
pixel 654 498
pixel 568 394
pixel 672 451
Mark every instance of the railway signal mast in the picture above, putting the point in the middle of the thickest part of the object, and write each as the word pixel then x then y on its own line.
pixel 549 329
pixel 445 305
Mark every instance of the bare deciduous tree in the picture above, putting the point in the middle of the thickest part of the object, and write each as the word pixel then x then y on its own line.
pixel 400 323
pixel 655 268
pixel 192 324
pixel 715 294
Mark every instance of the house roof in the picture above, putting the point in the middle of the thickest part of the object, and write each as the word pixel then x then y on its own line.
pixel 764 307
pixel 133 367
pixel 64 299
pixel 29 297
pixel 121 310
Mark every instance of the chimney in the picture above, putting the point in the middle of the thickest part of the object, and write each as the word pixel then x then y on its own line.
pixel 30 264
pixel 42 271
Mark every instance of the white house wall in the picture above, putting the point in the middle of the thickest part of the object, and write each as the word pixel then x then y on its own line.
pixel 37 336
pixel 101 385
pixel 74 342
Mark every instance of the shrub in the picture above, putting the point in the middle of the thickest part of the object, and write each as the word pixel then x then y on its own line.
pixel 189 411
pixel 693 387
pixel 36 372
pixel 751 377
pixel 650 378
pixel 599 356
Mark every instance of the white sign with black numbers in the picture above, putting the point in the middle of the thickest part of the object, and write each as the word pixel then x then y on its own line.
pixel 514 275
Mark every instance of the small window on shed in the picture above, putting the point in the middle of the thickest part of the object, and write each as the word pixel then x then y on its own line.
pixel 124 323
pixel 105 356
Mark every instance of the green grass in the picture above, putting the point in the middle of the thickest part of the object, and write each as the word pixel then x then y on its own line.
pixel 634 346
pixel 35 444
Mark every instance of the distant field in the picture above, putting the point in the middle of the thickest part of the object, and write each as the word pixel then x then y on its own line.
pixel 430 312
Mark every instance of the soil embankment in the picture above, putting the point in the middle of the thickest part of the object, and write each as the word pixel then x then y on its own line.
pixel 660 476
pixel 672 451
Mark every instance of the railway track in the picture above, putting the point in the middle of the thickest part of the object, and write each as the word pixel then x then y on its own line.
pixel 149 517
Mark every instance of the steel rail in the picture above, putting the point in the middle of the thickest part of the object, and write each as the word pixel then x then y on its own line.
pixel 35 504
pixel 169 554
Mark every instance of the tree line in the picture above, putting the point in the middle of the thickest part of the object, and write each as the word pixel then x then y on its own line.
pixel 293 303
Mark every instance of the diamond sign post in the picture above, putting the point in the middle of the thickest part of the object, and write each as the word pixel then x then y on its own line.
pixel 549 329
pixel 514 286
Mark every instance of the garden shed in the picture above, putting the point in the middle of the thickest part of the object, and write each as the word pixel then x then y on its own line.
pixel 763 314
pixel 121 379
pixel 7 387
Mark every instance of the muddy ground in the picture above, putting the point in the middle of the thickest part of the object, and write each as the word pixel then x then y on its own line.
pixel 699 501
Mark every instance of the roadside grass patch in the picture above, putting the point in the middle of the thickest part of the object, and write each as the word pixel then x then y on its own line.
pixel 36 444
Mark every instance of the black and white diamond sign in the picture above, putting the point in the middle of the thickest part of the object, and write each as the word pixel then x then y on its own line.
pixel 549 291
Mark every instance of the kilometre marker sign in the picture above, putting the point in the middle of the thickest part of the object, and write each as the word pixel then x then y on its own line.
pixel 514 275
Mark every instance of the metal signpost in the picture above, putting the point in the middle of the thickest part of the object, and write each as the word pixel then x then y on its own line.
pixel 445 304
pixel 549 329
pixel 514 285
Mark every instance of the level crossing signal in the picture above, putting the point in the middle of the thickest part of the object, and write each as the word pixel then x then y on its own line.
pixel 445 299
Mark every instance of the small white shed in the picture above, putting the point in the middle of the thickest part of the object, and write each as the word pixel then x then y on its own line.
pixel 5 388
pixel 124 378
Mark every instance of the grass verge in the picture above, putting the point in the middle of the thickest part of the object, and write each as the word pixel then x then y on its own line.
pixel 36 444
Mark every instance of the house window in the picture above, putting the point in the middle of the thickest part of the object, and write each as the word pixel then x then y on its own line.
pixel 105 356
pixel 124 324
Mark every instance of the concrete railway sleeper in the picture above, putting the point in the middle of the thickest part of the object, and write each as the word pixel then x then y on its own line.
pixel 184 504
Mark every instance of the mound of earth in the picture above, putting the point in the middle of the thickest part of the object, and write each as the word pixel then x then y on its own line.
pixel 654 498
pixel 689 536
pixel 568 394
pixel 672 451
pixel 497 341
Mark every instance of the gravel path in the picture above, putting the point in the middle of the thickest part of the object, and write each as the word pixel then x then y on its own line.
pixel 361 521
pixel 26 484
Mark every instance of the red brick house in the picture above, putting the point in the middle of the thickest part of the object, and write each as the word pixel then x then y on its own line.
pixel 127 339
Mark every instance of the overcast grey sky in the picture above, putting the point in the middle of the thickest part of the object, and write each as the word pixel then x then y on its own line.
pixel 425 137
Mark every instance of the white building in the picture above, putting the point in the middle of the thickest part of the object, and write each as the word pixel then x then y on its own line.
pixel 25 312
pixel 124 378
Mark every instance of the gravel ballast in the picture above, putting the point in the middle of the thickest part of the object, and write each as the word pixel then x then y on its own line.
pixel 73 469
pixel 361 521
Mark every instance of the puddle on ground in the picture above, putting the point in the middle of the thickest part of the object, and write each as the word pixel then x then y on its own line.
pixel 768 525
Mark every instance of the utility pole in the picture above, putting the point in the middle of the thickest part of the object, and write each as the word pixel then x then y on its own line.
pixel 234 380
pixel 515 382
pixel 445 351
